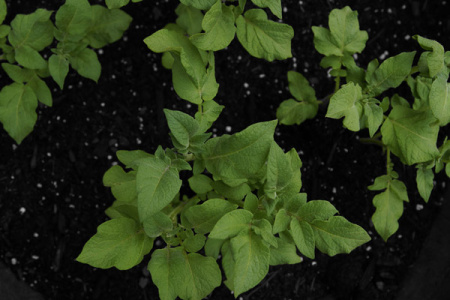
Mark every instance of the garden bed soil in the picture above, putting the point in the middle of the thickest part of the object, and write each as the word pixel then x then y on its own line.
pixel 51 193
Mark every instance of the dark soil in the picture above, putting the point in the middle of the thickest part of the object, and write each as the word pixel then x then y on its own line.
pixel 51 193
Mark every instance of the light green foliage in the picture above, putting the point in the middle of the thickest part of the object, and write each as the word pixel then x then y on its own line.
pixel 189 18
pixel 218 24
pixel 304 105
pixel 434 57
pixel 273 5
pixel 123 185
pixel 388 204
pixel 424 180
pixel 199 4
pixel 203 217
pixel 86 63
pixel 188 276
pixel 156 224
pixel 119 243
pixel 231 224
pixel 346 102
pixel 263 38
pixel 405 127
pixel 439 97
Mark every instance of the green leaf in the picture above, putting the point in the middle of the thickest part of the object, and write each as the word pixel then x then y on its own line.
pixel 251 202
pixel 252 258
pixel 285 253
pixel 200 184
pixel 18 74
pixel 424 180
pixel 219 28
pixel 212 247
pixel 4 31
pixel 282 221
pixel 263 38
pixel 391 73
pixel 237 192
pixel 189 18
pixel 231 224
pixel 209 114
pixel 263 228
pixel 439 98
pixel 374 115
pixel 86 63
pixel 189 276
pixel 2 11
pixel 74 18
pixel 58 66
pixel 337 235
pixel 120 211
pixel 346 102
pixel 119 243
pixel 389 208
pixel 34 31
pixel 156 224
pixel 41 90
pixel 435 58
pixel 123 185
pixel 303 236
pixel 132 158
pixel 194 243
pixel 107 26
pixel 199 4
pixel 30 58
pixel 405 127
pixel 18 105
pixel 116 3
pixel 316 210
pixel 204 217
pixel 343 37
pixel 240 155
pixel 157 185
pixel 273 5
pixel 182 127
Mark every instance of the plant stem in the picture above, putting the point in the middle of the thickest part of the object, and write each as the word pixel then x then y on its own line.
pixel 388 162
pixel 338 84
pixel 173 214
pixel 372 141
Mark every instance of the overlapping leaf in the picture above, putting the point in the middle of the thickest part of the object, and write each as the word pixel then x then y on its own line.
pixel 346 102
pixel 439 98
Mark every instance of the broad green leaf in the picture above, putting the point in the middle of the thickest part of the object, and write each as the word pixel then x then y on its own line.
pixel 263 38
pixel 30 58
pixel 204 217
pixel 300 88
pixel 194 243
pixel 2 11
pixel 240 155
pixel 34 30
pixel 389 208
pixel 294 203
pixel 200 184
pixel 282 221
pixel 337 235
pixel 116 3
pixel 157 185
pixel 182 127
pixel 189 276
pixel 273 5
pixel 374 115
pixel 18 74
pixel 439 98
pixel 228 264
pixel 263 228
pixel 343 37
pixel 58 66
pixel 120 211
pixel 4 31
pixel 18 105
pixel 156 224
pixel 74 19
pixel 123 185
pixel 231 224
pixel 131 158
pixel 41 90
pixel 252 258
pixel 189 18
pixel 107 27
pixel 237 192
pixel 435 58
pixel 86 63
pixel 391 73
pixel 209 114
pixel 346 102
pixel 218 24
pixel 213 246
pixel 199 4
pixel 303 236
pixel 119 243
pixel 251 202
pixel 316 210
pixel 411 135
pixel 285 253
pixel 424 180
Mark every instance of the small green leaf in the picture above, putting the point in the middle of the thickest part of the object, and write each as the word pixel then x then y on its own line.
pixel 200 184
pixel 252 258
pixel 123 185
pixel 58 66
pixel 273 5
pixel 199 4
pixel 303 236
pixel 389 208
pixel 119 211
pixel 116 3
pixel 41 90
pixel 204 217
pixel 18 105
pixel 131 158
pixel 263 228
pixel 374 115
pixel 2 11
pixel 156 224
pixel 231 224
pixel 391 73
pixel 209 114
pixel 119 243
pixel 74 18
pixel 251 202
pixel 439 98
pixel 424 180
pixel 30 58
pixel 263 38
pixel 285 253
pixel 218 24
pixel 182 127
pixel 157 185
pixel 405 127
pixel 282 221
pixel 237 192
pixel 316 210
pixel 435 58
pixel 18 74
pixel 346 102
pixel 337 235
pixel 189 18
pixel 189 276
pixel 194 243
pixel 86 63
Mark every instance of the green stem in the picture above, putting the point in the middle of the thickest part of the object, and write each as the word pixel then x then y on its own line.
pixel 372 141
pixel 173 214
pixel 388 162
pixel 338 84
